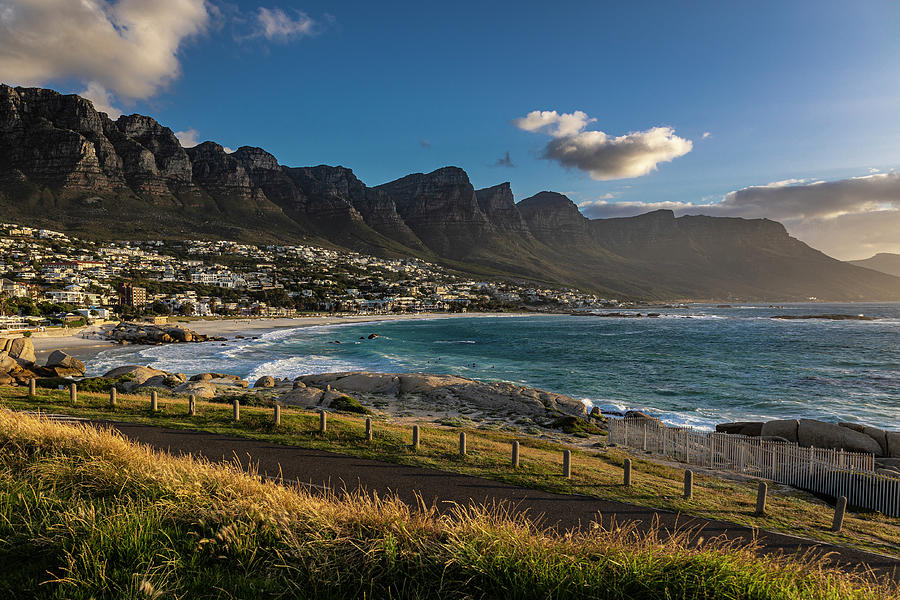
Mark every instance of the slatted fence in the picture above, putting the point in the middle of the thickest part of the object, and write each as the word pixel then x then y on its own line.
pixel 819 470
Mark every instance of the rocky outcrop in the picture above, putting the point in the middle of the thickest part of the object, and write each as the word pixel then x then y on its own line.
pixel 141 333
pixel 446 390
pixel 785 428
pixel 811 433
pixel 554 219
pixel 135 373
pixel 64 365
pixel 818 434
pixel 265 382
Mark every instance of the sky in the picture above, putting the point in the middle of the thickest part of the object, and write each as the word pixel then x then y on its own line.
pixel 783 110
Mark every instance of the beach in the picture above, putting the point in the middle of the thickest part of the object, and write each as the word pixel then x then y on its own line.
pixel 86 342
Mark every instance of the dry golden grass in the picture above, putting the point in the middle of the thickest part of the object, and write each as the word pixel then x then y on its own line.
pixel 86 514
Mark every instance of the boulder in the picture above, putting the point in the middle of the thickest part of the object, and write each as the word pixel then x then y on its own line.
pixel 265 382
pixel 202 377
pixel 138 373
pixel 6 378
pixel 893 443
pixel 61 362
pixel 22 349
pixel 199 389
pixel 820 434
pixel 304 396
pixel 642 416
pixel 752 428
pixel 7 362
pixel 879 435
pixel 786 429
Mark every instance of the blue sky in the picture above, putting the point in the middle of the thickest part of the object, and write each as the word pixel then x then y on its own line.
pixel 792 92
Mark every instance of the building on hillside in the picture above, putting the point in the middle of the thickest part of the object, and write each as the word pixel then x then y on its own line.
pixel 129 295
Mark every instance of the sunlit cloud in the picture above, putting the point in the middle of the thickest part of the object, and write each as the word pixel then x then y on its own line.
pixel 127 49
pixel 601 156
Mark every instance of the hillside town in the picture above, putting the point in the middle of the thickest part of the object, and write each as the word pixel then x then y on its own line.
pixel 50 278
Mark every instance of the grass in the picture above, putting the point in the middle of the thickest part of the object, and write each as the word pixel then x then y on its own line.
pixel 595 472
pixel 86 514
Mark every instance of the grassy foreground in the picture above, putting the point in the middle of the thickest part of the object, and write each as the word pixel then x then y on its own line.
pixel 86 514
pixel 595 472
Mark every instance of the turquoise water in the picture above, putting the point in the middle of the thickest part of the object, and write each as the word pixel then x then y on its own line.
pixel 699 366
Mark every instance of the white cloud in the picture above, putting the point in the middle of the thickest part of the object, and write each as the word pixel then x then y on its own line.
pixel 276 25
pixel 848 218
pixel 128 47
pixel 603 157
pixel 228 150
pixel 705 135
pixel 557 125
pixel 188 138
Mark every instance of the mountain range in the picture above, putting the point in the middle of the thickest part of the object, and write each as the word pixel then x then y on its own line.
pixel 883 261
pixel 66 166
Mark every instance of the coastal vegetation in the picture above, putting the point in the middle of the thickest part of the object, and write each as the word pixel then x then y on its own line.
pixel 86 514
pixel 597 471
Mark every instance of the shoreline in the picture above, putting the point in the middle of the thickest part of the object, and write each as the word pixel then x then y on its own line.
pixel 85 343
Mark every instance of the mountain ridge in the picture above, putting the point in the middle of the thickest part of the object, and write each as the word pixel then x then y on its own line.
pixel 64 165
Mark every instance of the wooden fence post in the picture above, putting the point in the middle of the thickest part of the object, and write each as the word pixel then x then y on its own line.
pixel 761 493
pixel 73 393
pixel 515 455
pixel 462 443
pixel 567 464
pixel 368 429
pixel 113 396
pixel 32 387
pixel 839 510
pixel 688 484
pixel 323 422
pixel 415 443
pixel 192 406
pixel 236 409
pixel 154 401
pixel 626 475
pixel 278 414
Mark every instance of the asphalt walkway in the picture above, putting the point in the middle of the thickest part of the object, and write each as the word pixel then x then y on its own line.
pixel 320 469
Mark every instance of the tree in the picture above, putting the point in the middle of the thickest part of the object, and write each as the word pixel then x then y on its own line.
pixel 187 308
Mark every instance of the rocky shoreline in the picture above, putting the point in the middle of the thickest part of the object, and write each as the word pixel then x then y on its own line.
pixel 148 334
pixel 811 433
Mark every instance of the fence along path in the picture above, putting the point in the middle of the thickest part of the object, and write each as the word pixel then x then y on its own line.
pixel 819 470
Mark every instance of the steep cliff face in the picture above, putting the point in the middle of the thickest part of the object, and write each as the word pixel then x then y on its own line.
pixel 442 209
pixel 499 206
pixel 554 219
pixel 58 141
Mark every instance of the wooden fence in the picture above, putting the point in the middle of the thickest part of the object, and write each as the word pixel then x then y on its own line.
pixel 819 470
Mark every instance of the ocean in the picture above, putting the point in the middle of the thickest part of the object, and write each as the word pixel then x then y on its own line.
pixel 695 366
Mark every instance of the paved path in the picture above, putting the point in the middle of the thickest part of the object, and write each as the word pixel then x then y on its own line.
pixel 320 469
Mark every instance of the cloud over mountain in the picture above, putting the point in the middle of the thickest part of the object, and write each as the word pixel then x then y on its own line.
pixel 600 155
pixel 127 48
pixel 847 218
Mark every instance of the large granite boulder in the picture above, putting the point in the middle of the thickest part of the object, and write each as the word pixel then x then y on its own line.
pixel 751 428
pixel 306 396
pixel 449 389
pixel 65 365
pixel 265 382
pixel 879 435
pixel 7 362
pixel 819 434
pixel 138 373
pixel 893 443
pixel 786 429
pixel 22 349
pixel 199 389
